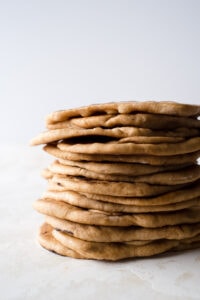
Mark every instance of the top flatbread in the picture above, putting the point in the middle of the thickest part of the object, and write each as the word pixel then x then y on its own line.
pixel 152 121
pixel 165 107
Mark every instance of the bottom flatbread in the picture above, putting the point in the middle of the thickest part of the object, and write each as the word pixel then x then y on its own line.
pixel 65 245
pixel 48 242
pixel 117 251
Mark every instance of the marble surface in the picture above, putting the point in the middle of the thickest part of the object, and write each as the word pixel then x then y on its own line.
pixel 29 272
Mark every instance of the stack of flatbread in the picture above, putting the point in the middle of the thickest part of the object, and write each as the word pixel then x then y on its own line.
pixel 125 181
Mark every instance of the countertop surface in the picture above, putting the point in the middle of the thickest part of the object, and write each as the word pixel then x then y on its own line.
pixel 27 271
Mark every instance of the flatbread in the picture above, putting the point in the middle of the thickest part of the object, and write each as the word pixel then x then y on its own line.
pixel 74 171
pixel 47 241
pixel 53 169
pixel 66 211
pixel 182 195
pixel 164 108
pixel 137 135
pixel 123 234
pixel 117 251
pixel 181 125
pixel 126 183
pixel 86 185
pixel 117 148
pixel 143 159
pixel 115 168
pixel 82 201
pixel 186 175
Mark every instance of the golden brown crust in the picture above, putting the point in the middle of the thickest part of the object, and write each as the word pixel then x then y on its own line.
pixel 88 251
pixel 46 240
pixel 72 213
pixel 186 175
pixel 124 189
pixel 179 125
pixel 117 148
pixel 117 251
pixel 182 195
pixel 123 134
pixel 142 159
pixel 123 234
pixel 114 168
pixel 82 201
pixel 164 107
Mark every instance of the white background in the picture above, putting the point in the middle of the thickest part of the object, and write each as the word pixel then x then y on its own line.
pixel 60 54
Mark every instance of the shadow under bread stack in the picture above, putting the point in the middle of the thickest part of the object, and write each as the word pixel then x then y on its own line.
pixel 125 181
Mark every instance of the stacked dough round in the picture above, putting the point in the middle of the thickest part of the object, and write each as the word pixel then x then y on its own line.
pixel 125 181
